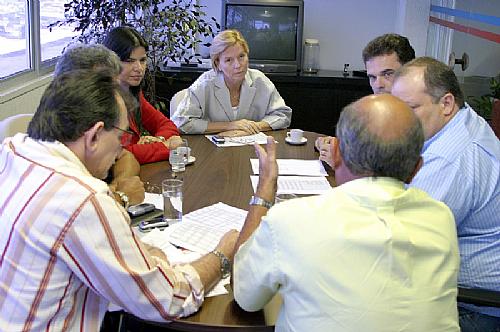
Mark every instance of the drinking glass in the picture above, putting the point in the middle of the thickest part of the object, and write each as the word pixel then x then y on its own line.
pixel 172 200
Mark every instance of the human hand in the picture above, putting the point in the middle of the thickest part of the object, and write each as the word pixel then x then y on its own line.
pixel 325 149
pixel 173 142
pixel 132 187
pixel 156 252
pixel 149 139
pixel 227 242
pixel 268 170
pixel 233 133
pixel 251 127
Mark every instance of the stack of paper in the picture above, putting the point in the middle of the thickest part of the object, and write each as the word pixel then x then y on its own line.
pixel 306 177
pixel 259 138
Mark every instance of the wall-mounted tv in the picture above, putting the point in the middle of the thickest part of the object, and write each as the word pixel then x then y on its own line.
pixel 272 28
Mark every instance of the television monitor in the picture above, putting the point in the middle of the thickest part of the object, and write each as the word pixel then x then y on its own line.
pixel 272 29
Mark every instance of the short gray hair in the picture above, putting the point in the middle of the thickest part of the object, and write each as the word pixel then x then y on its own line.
pixel 88 57
pixel 367 154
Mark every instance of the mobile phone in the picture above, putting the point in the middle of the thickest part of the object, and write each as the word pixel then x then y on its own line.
pixel 140 209
pixel 218 139
pixel 147 225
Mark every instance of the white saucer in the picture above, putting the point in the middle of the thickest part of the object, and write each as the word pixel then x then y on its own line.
pixel 191 160
pixel 302 141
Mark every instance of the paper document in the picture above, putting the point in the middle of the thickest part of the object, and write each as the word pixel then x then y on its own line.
pixel 295 167
pixel 201 230
pixel 259 138
pixel 306 185
pixel 156 199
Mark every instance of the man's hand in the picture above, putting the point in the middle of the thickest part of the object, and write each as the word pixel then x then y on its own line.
pixel 154 251
pixel 227 242
pixel 325 151
pixel 132 187
pixel 233 133
pixel 268 170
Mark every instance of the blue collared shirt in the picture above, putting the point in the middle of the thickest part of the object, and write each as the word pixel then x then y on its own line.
pixel 462 169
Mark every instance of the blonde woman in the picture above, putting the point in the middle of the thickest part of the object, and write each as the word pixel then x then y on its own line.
pixel 231 99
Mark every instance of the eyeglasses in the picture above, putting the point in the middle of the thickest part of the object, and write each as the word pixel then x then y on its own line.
pixel 127 136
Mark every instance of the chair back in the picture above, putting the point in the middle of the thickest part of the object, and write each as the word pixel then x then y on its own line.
pixel 175 101
pixel 15 124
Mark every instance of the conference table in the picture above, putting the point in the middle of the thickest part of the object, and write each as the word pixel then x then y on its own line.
pixel 222 175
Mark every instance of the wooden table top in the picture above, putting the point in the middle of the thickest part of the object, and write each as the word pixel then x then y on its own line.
pixel 223 175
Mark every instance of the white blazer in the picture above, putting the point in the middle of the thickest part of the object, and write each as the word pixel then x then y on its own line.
pixel 208 100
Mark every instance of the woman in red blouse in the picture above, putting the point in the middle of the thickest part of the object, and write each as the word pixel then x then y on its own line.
pixel 155 133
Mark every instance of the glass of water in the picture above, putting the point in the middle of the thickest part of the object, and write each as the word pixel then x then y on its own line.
pixel 176 160
pixel 172 200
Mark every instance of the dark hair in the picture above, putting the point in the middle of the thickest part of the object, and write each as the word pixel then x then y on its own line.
pixel 73 103
pixel 123 40
pixel 365 153
pixel 439 79
pixel 388 44
pixel 88 57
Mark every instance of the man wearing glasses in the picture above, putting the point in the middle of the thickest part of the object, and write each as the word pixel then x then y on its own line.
pixel 123 180
pixel 67 249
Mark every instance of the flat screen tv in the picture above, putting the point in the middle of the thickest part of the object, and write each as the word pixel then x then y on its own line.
pixel 272 28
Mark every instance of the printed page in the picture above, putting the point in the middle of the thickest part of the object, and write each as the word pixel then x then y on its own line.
pixel 259 138
pixel 305 185
pixel 295 167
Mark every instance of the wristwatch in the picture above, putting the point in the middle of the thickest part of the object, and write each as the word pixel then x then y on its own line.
pixel 124 198
pixel 225 264
pixel 256 200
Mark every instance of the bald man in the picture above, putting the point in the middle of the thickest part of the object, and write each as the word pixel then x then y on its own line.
pixel 370 255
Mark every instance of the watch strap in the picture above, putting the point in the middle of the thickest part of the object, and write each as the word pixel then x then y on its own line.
pixel 256 200
pixel 225 264
pixel 123 198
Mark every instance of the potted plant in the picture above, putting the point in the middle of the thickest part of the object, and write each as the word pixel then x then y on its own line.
pixel 173 29
pixel 483 105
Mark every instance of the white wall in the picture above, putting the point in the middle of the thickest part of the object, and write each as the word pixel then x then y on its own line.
pixel 484 55
pixel 23 99
pixel 344 27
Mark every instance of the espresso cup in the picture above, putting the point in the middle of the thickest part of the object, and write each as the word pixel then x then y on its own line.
pixel 295 135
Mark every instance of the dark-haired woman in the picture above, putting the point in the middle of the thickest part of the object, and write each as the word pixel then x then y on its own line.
pixel 155 133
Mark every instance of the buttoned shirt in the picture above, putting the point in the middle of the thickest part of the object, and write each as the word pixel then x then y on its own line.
pixel 208 100
pixel 367 256
pixel 67 249
pixel 462 169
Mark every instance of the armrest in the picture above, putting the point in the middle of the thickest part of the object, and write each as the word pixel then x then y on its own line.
pixel 481 297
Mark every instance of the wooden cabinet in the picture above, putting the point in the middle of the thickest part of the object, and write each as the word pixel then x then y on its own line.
pixel 316 99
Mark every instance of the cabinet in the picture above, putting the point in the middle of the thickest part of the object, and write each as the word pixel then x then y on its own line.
pixel 316 99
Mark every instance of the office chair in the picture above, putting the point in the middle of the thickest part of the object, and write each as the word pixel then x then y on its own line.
pixel 176 99
pixel 15 124
pixel 480 297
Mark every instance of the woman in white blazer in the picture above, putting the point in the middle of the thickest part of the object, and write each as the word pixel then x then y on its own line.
pixel 231 99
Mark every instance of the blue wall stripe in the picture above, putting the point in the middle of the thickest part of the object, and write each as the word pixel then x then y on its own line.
pixel 467 15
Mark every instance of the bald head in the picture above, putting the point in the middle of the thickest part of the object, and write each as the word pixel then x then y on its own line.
pixel 386 116
pixel 380 136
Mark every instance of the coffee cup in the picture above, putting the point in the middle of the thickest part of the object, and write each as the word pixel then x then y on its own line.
pixel 295 135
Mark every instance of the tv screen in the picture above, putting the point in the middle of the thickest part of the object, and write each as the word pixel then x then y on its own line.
pixel 271 32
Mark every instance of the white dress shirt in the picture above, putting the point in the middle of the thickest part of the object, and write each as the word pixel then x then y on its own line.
pixel 367 256
pixel 67 249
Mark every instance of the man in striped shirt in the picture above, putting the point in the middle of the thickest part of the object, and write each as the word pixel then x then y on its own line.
pixel 66 248
pixel 462 169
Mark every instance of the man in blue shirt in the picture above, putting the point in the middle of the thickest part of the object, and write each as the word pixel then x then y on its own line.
pixel 462 169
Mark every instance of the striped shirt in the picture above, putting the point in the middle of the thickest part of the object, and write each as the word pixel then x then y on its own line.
pixel 462 169
pixel 67 249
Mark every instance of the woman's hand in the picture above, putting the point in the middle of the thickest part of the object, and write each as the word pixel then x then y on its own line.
pixel 148 139
pixel 173 142
pixel 251 127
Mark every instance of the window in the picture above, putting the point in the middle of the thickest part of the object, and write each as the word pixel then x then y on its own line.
pixel 27 45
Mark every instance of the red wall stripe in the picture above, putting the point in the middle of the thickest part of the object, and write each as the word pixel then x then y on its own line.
pixel 494 37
